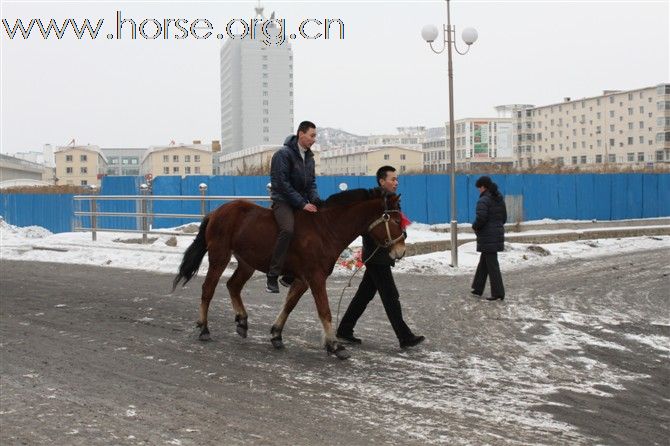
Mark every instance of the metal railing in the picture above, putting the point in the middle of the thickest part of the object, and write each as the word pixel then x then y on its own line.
pixel 146 213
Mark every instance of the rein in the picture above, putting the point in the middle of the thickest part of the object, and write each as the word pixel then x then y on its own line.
pixel 339 301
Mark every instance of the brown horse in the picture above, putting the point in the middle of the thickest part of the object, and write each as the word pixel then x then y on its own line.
pixel 248 232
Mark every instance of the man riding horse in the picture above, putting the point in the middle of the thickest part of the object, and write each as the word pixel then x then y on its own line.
pixel 293 187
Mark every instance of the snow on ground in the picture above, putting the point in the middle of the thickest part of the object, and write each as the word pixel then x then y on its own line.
pixel 123 250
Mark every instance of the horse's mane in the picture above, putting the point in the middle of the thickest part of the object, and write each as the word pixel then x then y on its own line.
pixel 352 196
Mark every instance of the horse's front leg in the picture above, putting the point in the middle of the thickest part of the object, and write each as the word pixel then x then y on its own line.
pixel 296 291
pixel 318 287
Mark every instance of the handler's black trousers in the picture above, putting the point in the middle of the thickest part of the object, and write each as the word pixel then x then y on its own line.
pixel 284 216
pixel 488 266
pixel 376 278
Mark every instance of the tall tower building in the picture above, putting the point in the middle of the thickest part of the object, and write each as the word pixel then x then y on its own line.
pixel 256 92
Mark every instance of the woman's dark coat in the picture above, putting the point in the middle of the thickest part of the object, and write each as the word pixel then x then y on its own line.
pixel 491 216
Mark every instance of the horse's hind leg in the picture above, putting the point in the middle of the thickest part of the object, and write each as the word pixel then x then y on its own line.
pixel 242 274
pixel 217 264
pixel 296 291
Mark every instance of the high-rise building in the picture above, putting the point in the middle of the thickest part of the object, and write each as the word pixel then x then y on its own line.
pixel 256 92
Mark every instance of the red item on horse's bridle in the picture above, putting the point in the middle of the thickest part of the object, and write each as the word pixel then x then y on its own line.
pixel 404 221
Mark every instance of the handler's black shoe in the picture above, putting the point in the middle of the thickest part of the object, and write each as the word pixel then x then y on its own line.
pixel 475 294
pixel 495 298
pixel 348 338
pixel 412 341
pixel 272 286
pixel 287 281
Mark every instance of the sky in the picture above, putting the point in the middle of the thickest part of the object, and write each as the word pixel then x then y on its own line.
pixel 381 75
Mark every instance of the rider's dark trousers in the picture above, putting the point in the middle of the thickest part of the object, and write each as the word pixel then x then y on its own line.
pixel 283 214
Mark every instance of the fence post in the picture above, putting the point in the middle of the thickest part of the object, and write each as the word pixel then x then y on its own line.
pixel 94 210
pixel 203 191
pixel 143 209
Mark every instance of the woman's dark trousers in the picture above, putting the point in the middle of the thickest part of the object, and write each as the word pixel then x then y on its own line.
pixel 488 266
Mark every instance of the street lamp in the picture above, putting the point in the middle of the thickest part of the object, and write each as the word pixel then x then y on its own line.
pixel 429 34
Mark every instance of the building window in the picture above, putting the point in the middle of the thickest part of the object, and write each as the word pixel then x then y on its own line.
pixel 68 170
pixel 402 157
pixel 599 158
pixel 583 160
pixel 612 143
pixel 641 110
pixel 68 158
pixel 197 169
pixel 611 113
pixel 196 158
pixel 83 170
pixel 84 183
pixel 83 158
pixel 641 139
pixel 175 169
pixel 175 158
pixel 631 157
pixel 612 158
pixel 630 140
pixel 574 160
pixel 387 156
pixel 659 155
pixel 187 158
pixel 641 124
pixel 187 170
pixel 166 170
pixel 166 158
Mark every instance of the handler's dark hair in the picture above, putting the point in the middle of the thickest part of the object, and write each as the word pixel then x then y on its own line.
pixel 382 171
pixel 304 126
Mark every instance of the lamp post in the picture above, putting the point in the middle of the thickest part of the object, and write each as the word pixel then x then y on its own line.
pixel 429 34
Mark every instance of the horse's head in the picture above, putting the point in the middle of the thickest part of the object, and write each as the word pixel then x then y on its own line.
pixel 386 230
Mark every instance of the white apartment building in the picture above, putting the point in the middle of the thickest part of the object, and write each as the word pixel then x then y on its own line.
pixel 405 136
pixel 365 160
pixel 256 93
pixel 625 127
pixel 257 160
pixel 123 160
pixel 477 141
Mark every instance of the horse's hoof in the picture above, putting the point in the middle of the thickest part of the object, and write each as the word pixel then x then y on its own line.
pixel 339 351
pixel 277 343
pixel 242 331
pixel 242 326
pixel 205 337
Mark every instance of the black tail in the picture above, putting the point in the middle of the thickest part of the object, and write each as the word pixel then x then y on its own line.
pixel 192 257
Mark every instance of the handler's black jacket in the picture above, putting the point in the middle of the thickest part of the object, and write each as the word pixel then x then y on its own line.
pixel 293 180
pixel 491 216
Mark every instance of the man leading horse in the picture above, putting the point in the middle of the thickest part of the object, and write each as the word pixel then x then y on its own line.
pixel 293 187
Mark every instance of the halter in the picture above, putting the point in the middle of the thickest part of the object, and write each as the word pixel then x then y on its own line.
pixel 385 218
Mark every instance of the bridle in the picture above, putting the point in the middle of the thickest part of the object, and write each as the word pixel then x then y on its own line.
pixel 385 218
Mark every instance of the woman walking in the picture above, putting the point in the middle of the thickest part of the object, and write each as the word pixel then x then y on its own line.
pixel 489 227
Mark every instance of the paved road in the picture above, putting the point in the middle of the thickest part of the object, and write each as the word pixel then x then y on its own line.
pixel 577 354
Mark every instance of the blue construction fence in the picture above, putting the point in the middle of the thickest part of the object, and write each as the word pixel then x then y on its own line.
pixel 425 198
